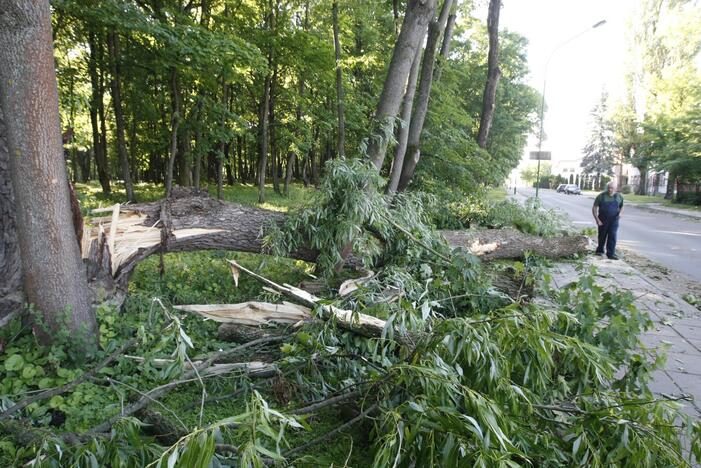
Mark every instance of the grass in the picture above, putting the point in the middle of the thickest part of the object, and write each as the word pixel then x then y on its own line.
pixel 204 278
pixel 91 196
pixel 642 198
pixel 496 194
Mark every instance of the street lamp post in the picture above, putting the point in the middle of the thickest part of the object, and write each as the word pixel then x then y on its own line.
pixel 542 98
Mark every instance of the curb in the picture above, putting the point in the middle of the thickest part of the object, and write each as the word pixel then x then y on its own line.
pixel 659 209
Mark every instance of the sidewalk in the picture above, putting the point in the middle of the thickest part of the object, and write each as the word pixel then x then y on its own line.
pixel 659 207
pixel 677 326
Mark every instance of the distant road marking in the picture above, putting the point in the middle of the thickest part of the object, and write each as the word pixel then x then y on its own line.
pixel 681 233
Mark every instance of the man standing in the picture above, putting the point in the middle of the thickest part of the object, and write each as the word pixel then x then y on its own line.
pixel 607 209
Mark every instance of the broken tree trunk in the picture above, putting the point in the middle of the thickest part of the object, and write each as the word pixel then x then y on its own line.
pixel 493 244
pixel 250 313
pixel 189 220
pixel 356 322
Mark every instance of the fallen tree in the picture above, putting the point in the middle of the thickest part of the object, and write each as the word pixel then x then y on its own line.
pixel 493 244
pixel 191 221
pixel 187 221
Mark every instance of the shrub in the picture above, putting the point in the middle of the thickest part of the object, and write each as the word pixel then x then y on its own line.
pixel 626 189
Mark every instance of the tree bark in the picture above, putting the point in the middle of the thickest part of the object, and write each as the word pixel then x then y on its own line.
pixel 113 47
pixel 493 74
pixel 264 109
pixel 417 16
pixel 198 142
pixel 11 298
pixel 403 137
pixel 435 28
pixel 671 185
pixel 291 157
pixel 494 244
pixel 222 143
pixel 101 105
pixel 189 222
pixel 174 124
pixel 263 138
pixel 274 156
pixel 339 85
pixel 445 46
pixel 54 277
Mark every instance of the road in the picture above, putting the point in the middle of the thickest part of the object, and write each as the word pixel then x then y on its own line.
pixel 670 240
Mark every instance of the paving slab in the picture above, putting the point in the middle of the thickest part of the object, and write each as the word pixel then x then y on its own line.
pixel 676 325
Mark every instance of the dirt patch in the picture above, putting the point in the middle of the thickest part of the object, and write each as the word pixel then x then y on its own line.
pixel 667 279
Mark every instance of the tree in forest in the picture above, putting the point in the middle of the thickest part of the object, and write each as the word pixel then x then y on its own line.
pixel 416 18
pixel 448 141
pixel 340 106
pixel 53 274
pixel 600 150
pixel 493 74
pixel 408 161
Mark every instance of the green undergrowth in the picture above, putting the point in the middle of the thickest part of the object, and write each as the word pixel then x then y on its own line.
pixel 491 210
pixel 461 374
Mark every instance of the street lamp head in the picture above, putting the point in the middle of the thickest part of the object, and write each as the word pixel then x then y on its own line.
pixel 600 23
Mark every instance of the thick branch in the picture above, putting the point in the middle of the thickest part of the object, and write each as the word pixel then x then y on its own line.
pixel 492 244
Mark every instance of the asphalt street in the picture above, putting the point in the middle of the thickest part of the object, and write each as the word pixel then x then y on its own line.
pixel 670 240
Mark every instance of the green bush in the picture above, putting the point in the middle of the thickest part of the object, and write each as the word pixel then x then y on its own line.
pixel 626 189
pixel 476 211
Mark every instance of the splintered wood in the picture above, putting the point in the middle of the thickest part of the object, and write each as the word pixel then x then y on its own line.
pixel 250 313
pixel 251 368
pixel 127 234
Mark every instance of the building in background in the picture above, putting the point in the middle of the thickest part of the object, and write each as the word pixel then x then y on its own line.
pixel 655 182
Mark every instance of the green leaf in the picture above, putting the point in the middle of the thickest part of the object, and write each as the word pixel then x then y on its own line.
pixel 56 401
pixel 14 362
pixel 29 372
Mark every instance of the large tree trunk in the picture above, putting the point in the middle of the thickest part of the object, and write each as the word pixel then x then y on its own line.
pixel 291 158
pixel 445 46
pixel 11 298
pixel 339 85
pixel 671 185
pixel 184 222
pixel 194 221
pixel 493 74
pixel 421 109
pixel 403 137
pixel 417 16
pixel 113 47
pixel 54 276
pixel 101 106
pixel 494 244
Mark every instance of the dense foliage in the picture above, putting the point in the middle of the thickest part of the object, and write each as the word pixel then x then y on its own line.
pixel 192 78
pixel 480 378
pixel 656 123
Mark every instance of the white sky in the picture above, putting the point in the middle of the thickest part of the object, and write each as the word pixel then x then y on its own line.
pixel 579 70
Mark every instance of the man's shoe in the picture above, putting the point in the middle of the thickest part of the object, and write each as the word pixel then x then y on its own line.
pixel 613 257
pixel 599 254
